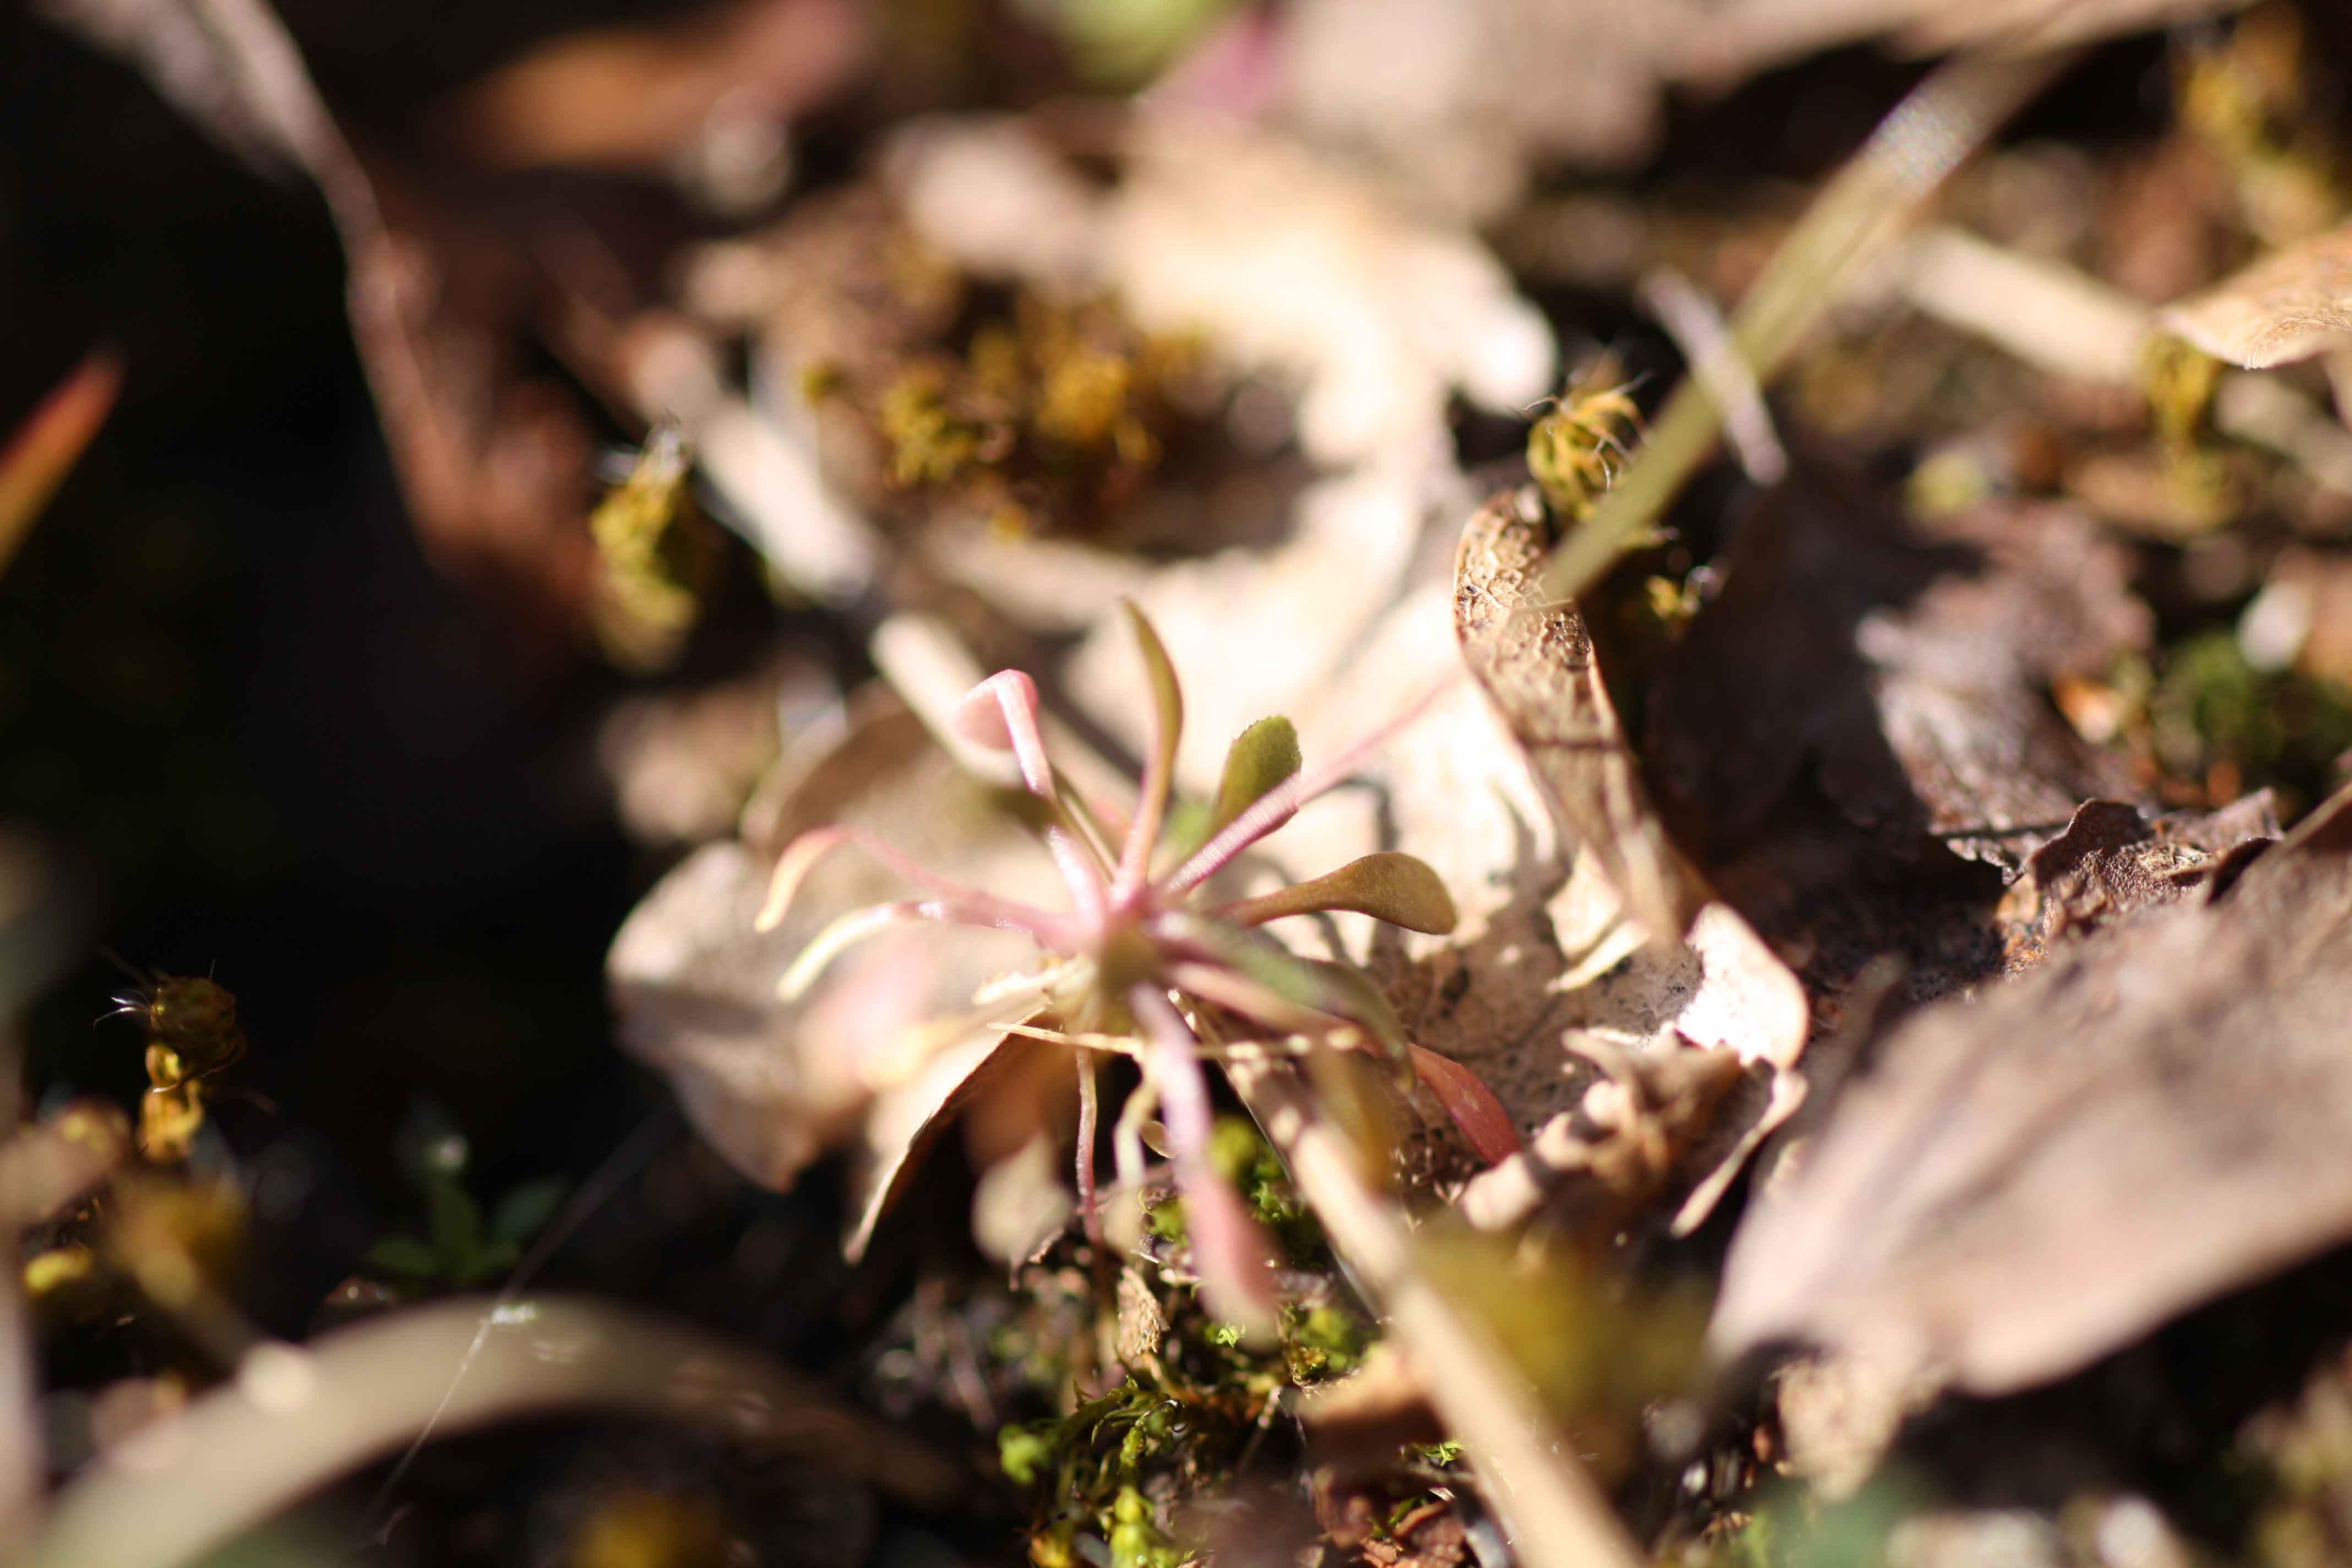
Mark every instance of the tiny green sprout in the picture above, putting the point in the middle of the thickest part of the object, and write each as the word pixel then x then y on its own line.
pixel 1439 1453
pixel 462 1248
pixel 1143 965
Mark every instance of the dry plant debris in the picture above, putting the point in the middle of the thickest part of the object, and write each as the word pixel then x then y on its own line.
pixel 2017 1184
pixel 1869 852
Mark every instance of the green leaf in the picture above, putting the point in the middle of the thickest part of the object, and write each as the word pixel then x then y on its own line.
pixel 456 1225
pixel 1386 885
pixel 496 1258
pixel 1160 767
pixel 525 1209
pixel 1167 696
pixel 404 1255
pixel 1250 960
pixel 1260 759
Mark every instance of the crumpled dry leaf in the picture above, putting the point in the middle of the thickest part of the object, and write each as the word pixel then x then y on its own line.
pixel 772 1085
pixel 1537 666
pixel 2290 305
pixel 1661 1121
pixel 1907 677
pixel 2111 860
pixel 2026 1181
pixel 1533 966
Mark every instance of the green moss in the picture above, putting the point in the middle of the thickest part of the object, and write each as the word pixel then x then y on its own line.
pixel 2216 720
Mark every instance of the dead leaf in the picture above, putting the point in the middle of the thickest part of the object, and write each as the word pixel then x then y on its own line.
pixel 2290 305
pixel 495 463
pixel 2024 1183
pixel 1531 976
pixel 773 1086
pixel 2111 860
pixel 1536 665
pixel 1907 675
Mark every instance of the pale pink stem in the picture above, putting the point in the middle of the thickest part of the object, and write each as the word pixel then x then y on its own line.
pixel 977 908
pixel 1089 1118
pixel 849 930
pixel 1279 804
pixel 1230 1249
pixel 1014 725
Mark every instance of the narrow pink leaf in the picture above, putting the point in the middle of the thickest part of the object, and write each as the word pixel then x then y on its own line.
pixel 1002 712
pixel 1280 804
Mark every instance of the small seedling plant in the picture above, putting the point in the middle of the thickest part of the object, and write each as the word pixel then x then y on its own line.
pixel 1145 963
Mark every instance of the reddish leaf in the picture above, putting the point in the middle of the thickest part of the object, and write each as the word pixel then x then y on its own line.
pixel 1470 1102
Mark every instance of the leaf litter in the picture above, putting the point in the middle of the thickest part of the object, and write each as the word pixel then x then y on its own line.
pixel 1873 878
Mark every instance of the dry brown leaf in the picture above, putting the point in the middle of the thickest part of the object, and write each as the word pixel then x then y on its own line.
pixel 1537 664
pixel 2290 305
pixel 494 464
pixel 2024 1183
pixel 1680 1122
pixel 2111 860
pixel 1903 669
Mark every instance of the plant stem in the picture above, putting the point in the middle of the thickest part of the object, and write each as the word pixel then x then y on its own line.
pixel 1928 135
pixel 1555 1516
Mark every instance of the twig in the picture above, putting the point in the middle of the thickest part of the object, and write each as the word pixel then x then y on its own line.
pixel 1697 328
pixel 1944 119
pixel 1555 1515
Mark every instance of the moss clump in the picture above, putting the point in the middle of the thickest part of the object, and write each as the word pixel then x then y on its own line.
pixel 1575 449
pixel 2216 720
pixel 658 556
pixel 1051 417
